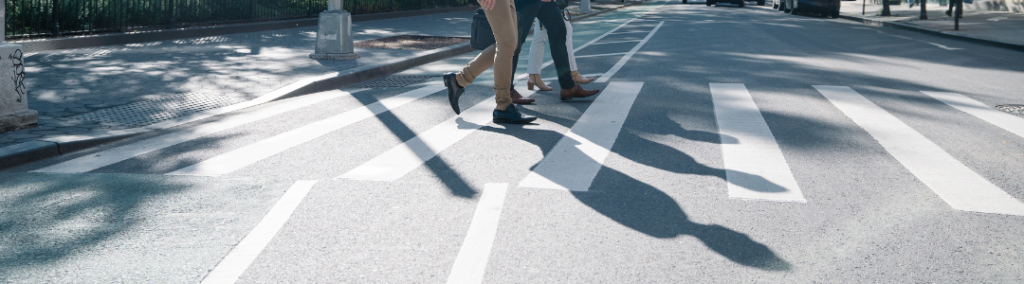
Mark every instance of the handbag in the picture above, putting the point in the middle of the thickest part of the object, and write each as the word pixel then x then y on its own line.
pixel 481 35
pixel 562 4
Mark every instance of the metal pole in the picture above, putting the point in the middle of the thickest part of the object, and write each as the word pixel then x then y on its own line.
pixel 3 22
pixel 863 6
pixel 924 11
pixel 170 13
pixel 56 25
pixel 584 6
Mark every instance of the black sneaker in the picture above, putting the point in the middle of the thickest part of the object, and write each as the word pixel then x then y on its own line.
pixel 512 115
pixel 454 90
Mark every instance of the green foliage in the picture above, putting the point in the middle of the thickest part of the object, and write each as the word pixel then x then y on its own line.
pixel 40 17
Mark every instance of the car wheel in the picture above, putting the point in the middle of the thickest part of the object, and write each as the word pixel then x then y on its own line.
pixel 835 14
pixel 775 6
pixel 782 6
pixel 684 1
pixel 760 2
pixel 742 3
pixel 709 3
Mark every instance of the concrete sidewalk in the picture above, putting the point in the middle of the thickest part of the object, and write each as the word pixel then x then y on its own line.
pixel 90 96
pixel 998 28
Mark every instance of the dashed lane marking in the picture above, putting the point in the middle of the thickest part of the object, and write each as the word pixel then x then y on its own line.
pixel 611 72
pixel 242 255
pixel 471 263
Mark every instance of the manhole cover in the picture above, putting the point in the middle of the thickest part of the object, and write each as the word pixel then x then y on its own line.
pixel 411 42
pixel 394 82
pixel 1019 109
pixel 144 113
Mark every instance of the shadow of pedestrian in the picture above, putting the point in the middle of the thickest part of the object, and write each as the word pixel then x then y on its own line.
pixel 644 208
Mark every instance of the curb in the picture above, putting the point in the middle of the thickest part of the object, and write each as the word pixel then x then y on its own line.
pixel 989 42
pixel 183 33
pixel 32 151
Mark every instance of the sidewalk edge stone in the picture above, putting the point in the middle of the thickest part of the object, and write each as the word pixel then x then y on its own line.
pixel 31 151
pixel 985 41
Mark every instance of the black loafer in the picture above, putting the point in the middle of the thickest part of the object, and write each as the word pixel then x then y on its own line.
pixel 512 115
pixel 454 91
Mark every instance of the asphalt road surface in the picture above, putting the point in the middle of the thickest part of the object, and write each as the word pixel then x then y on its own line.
pixel 732 145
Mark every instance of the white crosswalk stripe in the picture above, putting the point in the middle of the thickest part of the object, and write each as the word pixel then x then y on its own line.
pixel 113 156
pixel 234 160
pixel 1005 121
pixel 754 166
pixel 400 160
pixel 957 185
pixel 575 160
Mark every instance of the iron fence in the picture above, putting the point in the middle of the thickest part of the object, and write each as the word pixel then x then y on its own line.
pixel 34 18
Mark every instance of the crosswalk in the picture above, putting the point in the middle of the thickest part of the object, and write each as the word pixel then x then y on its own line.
pixel 755 167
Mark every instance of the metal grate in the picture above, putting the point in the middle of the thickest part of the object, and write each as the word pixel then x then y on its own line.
pixel 411 42
pixel 1018 109
pixel 144 113
pixel 394 82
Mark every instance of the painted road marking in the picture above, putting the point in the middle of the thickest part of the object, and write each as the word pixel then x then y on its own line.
pixel 754 166
pixel 248 155
pixel 575 160
pixel 957 185
pixel 637 32
pixel 614 42
pixel 600 55
pixel 404 158
pixel 611 72
pixel 471 263
pixel 242 255
pixel 1003 120
pixel 112 156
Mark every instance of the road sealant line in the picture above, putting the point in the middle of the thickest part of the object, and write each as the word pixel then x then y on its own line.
pixel 950 35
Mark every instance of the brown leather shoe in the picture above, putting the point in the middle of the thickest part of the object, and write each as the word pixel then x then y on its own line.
pixel 519 99
pixel 577 92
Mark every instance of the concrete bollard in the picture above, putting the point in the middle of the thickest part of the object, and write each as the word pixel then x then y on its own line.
pixel 584 6
pixel 14 112
pixel 334 37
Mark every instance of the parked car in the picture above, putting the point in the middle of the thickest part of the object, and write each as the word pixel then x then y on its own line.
pixel 737 2
pixel 823 7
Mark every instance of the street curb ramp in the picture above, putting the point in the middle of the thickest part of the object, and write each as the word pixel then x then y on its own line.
pixel 32 151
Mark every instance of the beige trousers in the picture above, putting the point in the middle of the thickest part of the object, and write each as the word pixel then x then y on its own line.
pixel 504 24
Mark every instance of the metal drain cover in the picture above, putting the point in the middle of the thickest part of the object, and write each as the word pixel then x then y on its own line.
pixel 144 113
pixel 1019 109
pixel 394 82
pixel 411 42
